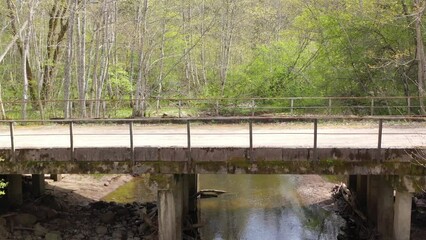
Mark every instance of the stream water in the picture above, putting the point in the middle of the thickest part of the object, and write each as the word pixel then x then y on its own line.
pixel 253 207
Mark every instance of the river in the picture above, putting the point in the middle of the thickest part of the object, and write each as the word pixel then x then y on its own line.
pixel 253 207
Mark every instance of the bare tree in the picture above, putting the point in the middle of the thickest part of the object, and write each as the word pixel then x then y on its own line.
pixel 25 56
pixel 69 59
pixel 82 59
pixel 140 94
pixel 419 7
pixel 227 34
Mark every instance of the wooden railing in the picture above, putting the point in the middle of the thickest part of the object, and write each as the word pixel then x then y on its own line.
pixel 199 107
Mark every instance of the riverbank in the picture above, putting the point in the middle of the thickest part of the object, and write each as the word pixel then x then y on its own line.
pixel 71 209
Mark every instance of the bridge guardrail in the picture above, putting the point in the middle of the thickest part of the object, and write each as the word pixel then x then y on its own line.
pixel 184 107
pixel 188 121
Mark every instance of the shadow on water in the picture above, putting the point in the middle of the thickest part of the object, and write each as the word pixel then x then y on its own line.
pixel 253 207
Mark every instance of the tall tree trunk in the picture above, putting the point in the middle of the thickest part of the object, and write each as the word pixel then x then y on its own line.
pixel 163 43
pixel 13 15
pixel 25 58
pixel 58 27
pixel 420 54
pixel 203 49
pixel 69 59
pixel 140 95
pixel 228 20
pixel 82 59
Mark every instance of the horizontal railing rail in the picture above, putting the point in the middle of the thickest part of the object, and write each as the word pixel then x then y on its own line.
pixel 250 120
pixel 184 107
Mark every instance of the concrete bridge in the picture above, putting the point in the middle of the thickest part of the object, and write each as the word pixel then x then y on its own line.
pixel 379 154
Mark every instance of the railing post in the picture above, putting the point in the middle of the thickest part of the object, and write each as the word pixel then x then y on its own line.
pixel 251 139
pixel 71 140
pixel 329 106
pixel 188 138
pixel 132 147
pixel 315 155
pixel 379 142
pixel 12 140
pixel 408 105
pixel 291 105
pixel 180 108
pixel 253 104
pixel 372 107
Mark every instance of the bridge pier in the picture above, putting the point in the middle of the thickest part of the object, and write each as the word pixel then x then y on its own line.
pixel 14 193
pixel 176 199
pixel 56 177
pixel 38 184
pixel 402 217
pixel 386 206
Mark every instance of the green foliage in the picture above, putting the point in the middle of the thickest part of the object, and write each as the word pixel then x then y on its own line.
pixel 3 185
pixel 120 82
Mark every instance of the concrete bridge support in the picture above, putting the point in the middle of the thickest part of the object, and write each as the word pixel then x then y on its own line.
pixel 38 184
pixel 402 215
pixel 386 208
pixel 14 192
pixel 175 201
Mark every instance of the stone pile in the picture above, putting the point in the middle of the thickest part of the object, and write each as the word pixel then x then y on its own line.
pixel 49 218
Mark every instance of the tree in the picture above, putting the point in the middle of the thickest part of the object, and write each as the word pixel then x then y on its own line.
pixel 419 8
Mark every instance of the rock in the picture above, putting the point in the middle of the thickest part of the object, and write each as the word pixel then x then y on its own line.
pixel 79 237
pixel 24 219
pixel 52 202
pixel 3 222
pixel 39 230
pixel 142 228
pixel 117 235
pixel 107 217
pixel 50 213
pixel 101 230
pixel 123 212
pixel 54 235
pixel 3 232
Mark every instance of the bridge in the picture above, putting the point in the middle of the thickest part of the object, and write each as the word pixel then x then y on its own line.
pixel 380 154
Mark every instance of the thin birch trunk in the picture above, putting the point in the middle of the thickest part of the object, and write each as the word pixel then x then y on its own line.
pixel 82 60
pixel 69 59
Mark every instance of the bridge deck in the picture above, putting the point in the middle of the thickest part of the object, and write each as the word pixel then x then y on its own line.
pixel 275 148
pixel 264 135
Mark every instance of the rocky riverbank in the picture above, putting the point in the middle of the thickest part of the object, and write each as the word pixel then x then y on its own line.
pixel 51 219
pixel 71 209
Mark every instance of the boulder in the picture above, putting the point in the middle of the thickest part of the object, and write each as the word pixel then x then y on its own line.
pixel 101 230
pixel 24 220
pixel 39 230
pixel 107 217
pixel 54 235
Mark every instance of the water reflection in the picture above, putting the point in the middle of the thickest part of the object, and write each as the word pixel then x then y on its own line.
pixel 253 207
pixel 262 207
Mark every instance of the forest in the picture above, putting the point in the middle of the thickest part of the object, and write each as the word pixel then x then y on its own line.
pixel 69 57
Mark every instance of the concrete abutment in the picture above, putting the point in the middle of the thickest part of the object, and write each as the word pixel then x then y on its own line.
pixel 387 207
pixel 176 201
